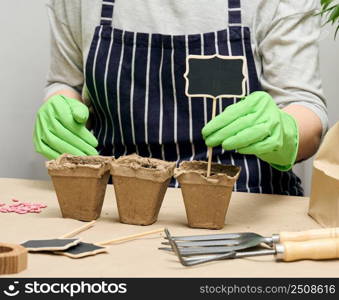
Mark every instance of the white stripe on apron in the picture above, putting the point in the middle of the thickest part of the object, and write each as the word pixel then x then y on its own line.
pixel 106 95
pixel 118 89
pixel 132 90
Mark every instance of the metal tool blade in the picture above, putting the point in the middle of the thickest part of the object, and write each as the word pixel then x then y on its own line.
pixel 202 250
pixel 209 237
pixel 230 255
pixel 187 262
pixel 199 250
pixel 184 261
pixel 207 243
pixel 218 246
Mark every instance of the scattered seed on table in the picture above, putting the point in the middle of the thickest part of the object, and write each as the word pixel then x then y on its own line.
pixel 21 207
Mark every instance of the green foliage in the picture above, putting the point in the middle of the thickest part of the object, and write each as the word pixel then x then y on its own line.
pixel 330 10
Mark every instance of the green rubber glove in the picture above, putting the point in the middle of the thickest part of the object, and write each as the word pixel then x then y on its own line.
pixel 255 125
pixel 60 128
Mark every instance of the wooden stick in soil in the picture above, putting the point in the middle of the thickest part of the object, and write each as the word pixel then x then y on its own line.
pixel 78 230
pixel 129 237
pixel 210 149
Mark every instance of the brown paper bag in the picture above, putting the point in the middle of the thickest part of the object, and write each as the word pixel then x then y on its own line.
pixel 324 201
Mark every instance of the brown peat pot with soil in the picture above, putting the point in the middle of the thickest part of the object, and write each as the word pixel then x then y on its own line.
pixel 206 198
pixel 80 184
pixel 140 185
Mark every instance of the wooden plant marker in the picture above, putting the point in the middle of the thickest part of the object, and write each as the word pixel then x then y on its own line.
pixel 62 243
pixel 87 249
pixel 49 245
pixel 131 237
pixel 78 230
pixel 82 250
pixel 215 76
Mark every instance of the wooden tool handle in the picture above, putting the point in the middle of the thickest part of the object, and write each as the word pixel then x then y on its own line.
pixel 314 249
pixel 130 237
pixel 310 234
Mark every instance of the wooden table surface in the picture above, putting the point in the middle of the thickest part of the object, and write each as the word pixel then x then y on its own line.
pixel 264 214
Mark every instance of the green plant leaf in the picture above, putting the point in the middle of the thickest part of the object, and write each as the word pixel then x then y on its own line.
pixel 330 9
pixel 325 3
pixel 334 16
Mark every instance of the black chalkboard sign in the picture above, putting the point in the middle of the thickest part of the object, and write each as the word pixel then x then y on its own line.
pixel 50 245
pixel 215 76
pixel 82 250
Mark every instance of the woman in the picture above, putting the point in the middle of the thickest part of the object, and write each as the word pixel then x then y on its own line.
pixel 126 59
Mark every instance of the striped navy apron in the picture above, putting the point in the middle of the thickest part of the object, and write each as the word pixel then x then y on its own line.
pixel 136 85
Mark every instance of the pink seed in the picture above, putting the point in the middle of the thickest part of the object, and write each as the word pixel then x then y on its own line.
pixel 21 207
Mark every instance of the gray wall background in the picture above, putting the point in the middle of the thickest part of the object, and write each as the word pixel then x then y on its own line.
pixel 24 58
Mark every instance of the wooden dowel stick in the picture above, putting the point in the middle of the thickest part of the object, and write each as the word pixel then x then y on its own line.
pixel 78 230
pixel 210 149
pixel 129 237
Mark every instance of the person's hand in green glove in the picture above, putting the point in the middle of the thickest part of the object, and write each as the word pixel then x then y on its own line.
pixel 60 127
pixel 255 125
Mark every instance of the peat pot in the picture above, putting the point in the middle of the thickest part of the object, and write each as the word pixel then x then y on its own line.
pixel 140 185
pixel 206 199
pixel 80 184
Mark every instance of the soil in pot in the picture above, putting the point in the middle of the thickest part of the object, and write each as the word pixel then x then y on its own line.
pixel 80 184
pixel 206 199
pixel 140 185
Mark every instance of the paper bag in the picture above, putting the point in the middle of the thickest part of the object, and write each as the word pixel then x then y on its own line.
pixel 324 201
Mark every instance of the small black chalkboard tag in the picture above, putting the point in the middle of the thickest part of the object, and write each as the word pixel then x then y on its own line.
pixel 215 76
pixel 82 250
pixel 49 245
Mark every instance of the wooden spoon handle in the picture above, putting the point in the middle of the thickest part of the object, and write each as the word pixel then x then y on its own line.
pixel 307 235
pixel 313 249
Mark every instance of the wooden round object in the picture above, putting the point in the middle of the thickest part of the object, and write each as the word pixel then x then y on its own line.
pixel 13 258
